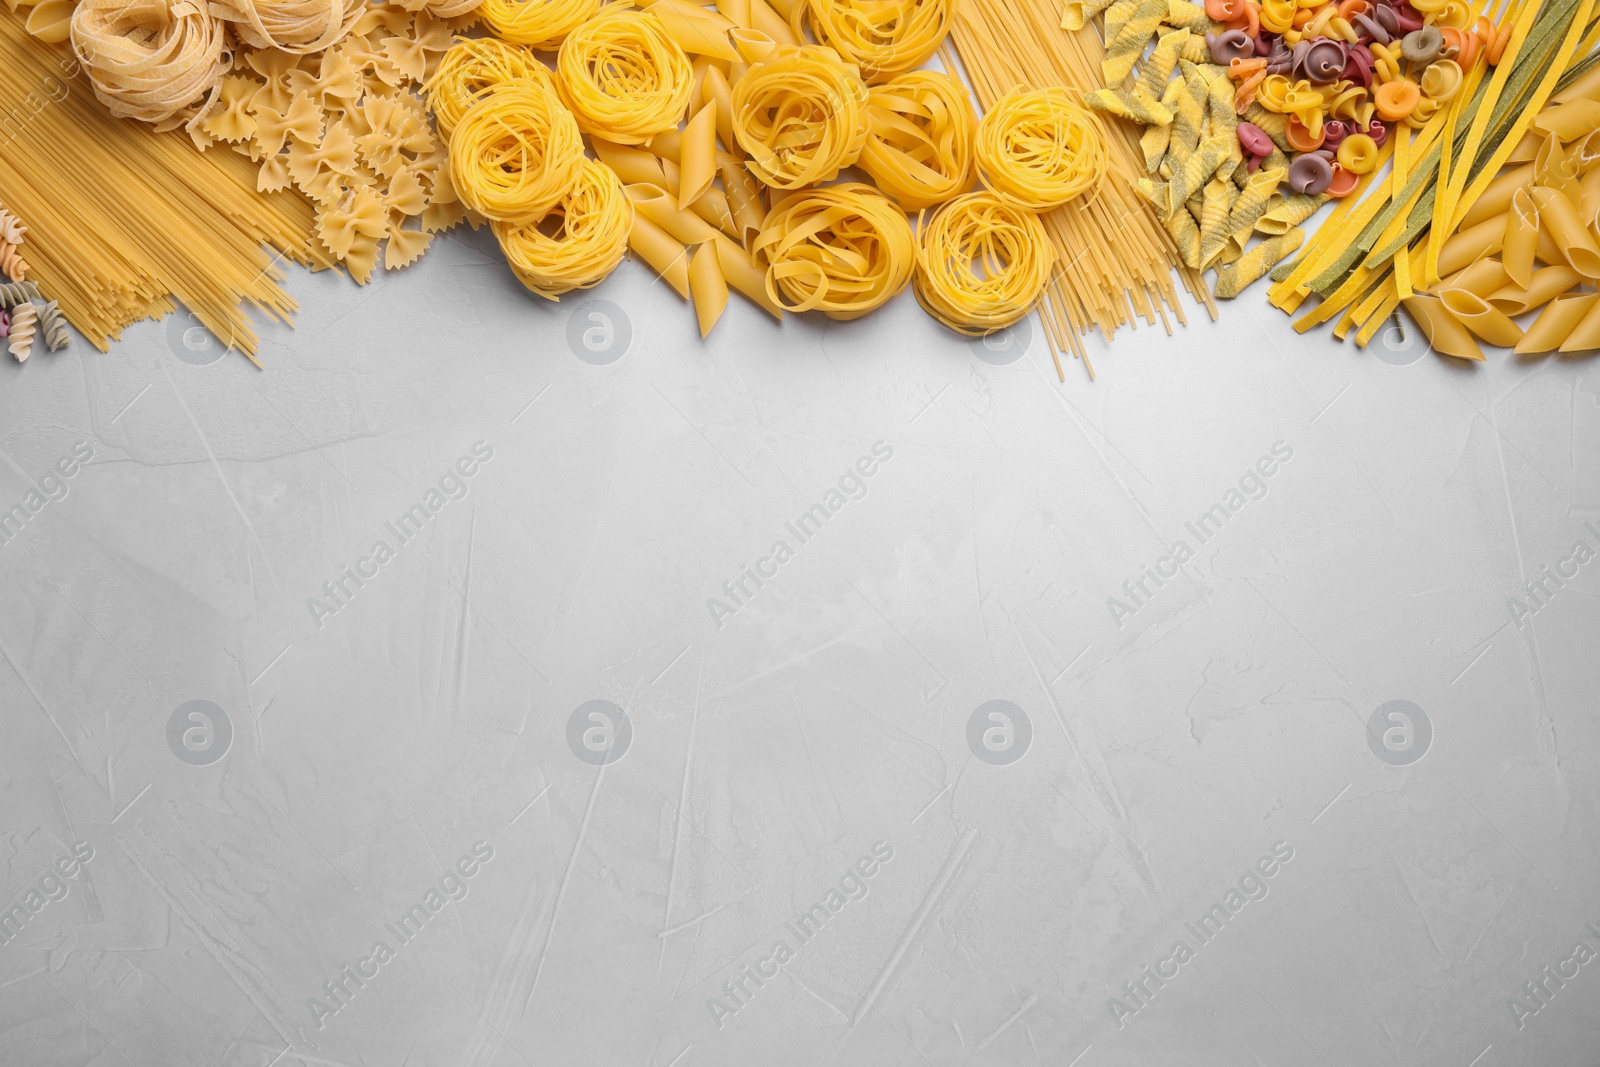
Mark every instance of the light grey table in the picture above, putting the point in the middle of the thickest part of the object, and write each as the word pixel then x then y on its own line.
pixel 824 693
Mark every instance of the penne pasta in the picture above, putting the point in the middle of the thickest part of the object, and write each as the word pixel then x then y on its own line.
pixel 1545 286
pixel 697 151
pixel 744 274
pixel 708 287
pixel 657 205
pixel 667 257
pixel 1444 333
pixel 1557 323
pixel 1521 238
pixel 1481 317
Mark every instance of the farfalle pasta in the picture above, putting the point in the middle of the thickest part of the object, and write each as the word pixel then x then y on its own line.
pixel 801 114
pixel 842 250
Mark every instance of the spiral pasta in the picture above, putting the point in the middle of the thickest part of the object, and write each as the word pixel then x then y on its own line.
pixel 842 250
pixel 295 26
pixel 595 219
pixel 624 77
pixel 12 265
pixel 515 153
pixel 801 115
pixel 919 138
pixel 982 263
pixel 149 59
pixel 884 38
pixel 1039 149
pixel 471 67
pixel 544 24
pixel 24 319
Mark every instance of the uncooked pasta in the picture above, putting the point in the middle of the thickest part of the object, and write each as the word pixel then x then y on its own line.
pixel 982 263
pixel 544 24
pixel 801 115
pixel 624 77
pixel 1039 149
pixel 842 250
pixel 883 37
pixel 295 26
pixel 149 59
pixel 919 142
pixel 472 67
pixel 515 153
pixel 587 236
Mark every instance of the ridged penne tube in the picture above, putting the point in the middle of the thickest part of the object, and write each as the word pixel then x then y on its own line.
pixel 697 155
pixel 1559 216
pixel 1496 199
pixel 1587 86
pixel 1557 323
pixel 753 46
pixel 1470 244
pixel 635 166
pixel 1522 238
pixel 667 257
pixel 708 287
pixel 1589 198
pixel 660 207
pixel 1552 169
pixel 1481 317
pixel 1445 334
pixel 1234 277
pixel 747 276
pixel 744 197
pixel 767 20
pixel 1546 285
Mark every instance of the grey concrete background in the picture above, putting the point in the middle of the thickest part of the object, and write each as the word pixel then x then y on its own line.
pixel 1216 761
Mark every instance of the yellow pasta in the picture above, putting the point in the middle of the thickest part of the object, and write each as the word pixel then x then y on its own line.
pixel 623 77
pixel 697 155
pixel 707 286
pixel 1557 326
pixel 1444 332
pixel 543 24
pixel 1481 317
pixel 666 256
pixel 1545 286
pixel 515 153
pixel 743 273
pixel 585 242
pixel 919 142
pixel 1039 149
pixel 884 38
pixel 471 67
pixel 842 250
pixel 1559 217
pixel 801 115
pixel 149 59
pixel 657 205
pixel 1521 238
pixel 982 263
pixel 296 26
pixel 1232 278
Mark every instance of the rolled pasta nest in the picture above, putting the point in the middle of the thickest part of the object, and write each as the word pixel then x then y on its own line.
pixel 472 67
pixel 919 138
pixel 149 59
pixel 296 26
pixel 884 38
pixel 1039 149
pixel 515 153
pixel 842 250
pixel 624 77
pixel 543 24
pixel 801 115
pixel 982 263
pixel 580 242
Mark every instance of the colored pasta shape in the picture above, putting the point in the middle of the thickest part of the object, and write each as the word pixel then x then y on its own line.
pixel 24 319
pixel 515 153
pixel 149 59
pixel 295 26
pixel 982 263
pixel 12 265
pixel 801 115
pixel 624 77
pixel 1039 149
pixel 884 38
pixel 471 68
pixel 54 324
pixel 14 293
pixel 919 141
pixel 580 242
pixel 543 24
pixel 843 250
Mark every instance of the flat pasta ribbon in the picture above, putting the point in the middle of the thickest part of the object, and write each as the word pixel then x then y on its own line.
pixel 884 38
pixel 919 144
pixel 843 250
pixel 149 59
pixel 801 114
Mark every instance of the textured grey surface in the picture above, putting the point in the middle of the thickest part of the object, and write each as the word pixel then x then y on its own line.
pixel 809 741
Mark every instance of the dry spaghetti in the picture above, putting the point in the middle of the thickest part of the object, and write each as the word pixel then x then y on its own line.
pixel 590 234
pixel 982 263
pixel 473 66
pixel 843 250
pixel 541 23
pixel 515 153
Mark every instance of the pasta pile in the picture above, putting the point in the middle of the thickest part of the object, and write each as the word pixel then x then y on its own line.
pixel 1500 181
pixel 163 220
pixel 16 320
pixel 717 133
